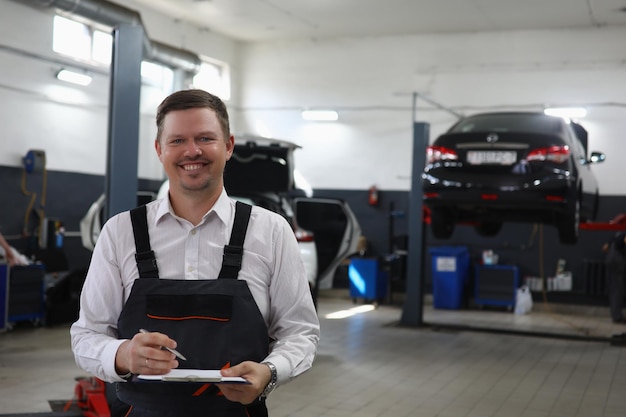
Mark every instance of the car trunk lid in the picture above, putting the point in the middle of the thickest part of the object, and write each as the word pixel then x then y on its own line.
pixel 502 150
pixel 260 167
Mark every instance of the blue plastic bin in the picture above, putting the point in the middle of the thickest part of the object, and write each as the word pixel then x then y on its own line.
pixel 366 279
pixel 450 272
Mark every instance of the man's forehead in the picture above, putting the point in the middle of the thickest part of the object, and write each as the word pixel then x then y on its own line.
pixel 178 119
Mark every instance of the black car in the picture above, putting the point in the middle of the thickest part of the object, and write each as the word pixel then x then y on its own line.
pixel 491 168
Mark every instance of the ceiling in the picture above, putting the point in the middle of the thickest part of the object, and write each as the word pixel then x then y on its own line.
pixel 264 20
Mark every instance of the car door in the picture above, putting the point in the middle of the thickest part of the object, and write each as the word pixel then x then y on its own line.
pixel 91 224
pixel 336 231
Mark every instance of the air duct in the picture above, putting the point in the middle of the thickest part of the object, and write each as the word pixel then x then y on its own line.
pixel 112 14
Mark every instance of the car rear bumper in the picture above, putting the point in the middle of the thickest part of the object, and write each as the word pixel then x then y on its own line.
pixel 489 205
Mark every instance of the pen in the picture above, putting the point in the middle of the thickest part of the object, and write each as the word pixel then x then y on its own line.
pixel 174 351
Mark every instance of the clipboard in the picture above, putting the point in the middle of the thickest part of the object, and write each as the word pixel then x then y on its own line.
pixel 194 375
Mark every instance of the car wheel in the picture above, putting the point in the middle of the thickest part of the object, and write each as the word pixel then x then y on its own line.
pixel 568 224
pixel 441 223
pixel 488 229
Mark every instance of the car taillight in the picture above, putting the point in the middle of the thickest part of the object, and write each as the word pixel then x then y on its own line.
pixel 556 154
pixel 304 235
pixel 440 153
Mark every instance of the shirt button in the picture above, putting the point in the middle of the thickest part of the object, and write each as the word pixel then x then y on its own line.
pixel 193 232
pixel 190 269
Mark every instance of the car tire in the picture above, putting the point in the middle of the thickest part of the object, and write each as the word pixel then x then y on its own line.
pixel 568 224
pixel 488 229
pixel 441 223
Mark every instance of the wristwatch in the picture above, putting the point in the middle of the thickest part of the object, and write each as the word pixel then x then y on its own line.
pixel 273 379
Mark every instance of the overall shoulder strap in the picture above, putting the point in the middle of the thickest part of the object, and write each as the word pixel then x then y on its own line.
pixel 146 262
pixel 233 252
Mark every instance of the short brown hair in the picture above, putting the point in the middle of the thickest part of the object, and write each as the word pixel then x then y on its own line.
pixel 191 99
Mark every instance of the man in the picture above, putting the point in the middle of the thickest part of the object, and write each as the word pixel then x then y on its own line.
pixel 261 325
pixel 615 271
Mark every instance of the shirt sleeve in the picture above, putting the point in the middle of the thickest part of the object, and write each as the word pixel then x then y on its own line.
pixel 94 334
pixel 293 322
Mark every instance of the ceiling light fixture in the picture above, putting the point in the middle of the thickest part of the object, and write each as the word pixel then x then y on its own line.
pixel 320 115
pixel 74 77
pixel 568 112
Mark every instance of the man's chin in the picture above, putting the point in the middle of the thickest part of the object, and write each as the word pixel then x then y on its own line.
pixel 195 186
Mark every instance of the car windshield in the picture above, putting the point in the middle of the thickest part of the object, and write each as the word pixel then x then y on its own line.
pixel 533 123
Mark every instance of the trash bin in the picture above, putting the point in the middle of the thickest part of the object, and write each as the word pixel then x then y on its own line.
pixel 367 280
pixel 450 271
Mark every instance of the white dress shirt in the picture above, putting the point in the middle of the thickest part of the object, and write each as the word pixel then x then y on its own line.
pixel 271 265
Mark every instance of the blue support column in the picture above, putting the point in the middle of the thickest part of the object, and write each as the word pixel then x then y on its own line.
pixel 121 181
pixel 412 311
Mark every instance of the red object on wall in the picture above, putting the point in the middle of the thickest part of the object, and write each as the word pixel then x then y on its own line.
pixel 373 196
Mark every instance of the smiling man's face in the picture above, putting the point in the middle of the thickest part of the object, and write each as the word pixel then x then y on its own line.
pixel 193 151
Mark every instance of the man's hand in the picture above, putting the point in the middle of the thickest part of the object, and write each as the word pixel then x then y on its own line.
pixel 257 374
pixel 143 355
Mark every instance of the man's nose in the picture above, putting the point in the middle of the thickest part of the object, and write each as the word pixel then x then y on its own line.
pixel 193 149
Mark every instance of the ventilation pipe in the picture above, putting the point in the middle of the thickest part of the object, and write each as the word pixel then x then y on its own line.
pixel 112 14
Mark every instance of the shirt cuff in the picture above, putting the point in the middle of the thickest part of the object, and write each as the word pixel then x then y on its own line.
pixel 108 360
pixel 283 369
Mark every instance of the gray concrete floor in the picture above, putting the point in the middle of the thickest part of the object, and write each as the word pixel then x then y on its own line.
pixel 461 363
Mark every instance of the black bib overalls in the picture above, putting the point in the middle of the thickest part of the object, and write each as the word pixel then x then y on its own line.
pixel 215 322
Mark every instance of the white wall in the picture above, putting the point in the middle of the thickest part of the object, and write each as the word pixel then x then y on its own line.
pixel 71 123
pixel 370 82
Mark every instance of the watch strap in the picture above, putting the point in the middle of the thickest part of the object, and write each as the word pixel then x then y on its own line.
pixel 273 380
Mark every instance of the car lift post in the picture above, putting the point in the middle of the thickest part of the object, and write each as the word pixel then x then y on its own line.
pixel 412 311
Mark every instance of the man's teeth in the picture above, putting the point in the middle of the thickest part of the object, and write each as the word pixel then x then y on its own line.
pixel 192 167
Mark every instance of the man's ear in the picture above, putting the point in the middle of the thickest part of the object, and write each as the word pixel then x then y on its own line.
pixel 157 146
pixel 230 146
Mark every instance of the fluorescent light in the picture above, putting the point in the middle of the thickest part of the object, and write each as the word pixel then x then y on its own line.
pixel 320 115
pixel 74 77
pixel 568 112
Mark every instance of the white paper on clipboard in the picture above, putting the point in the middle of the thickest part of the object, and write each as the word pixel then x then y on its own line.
pixel 195 375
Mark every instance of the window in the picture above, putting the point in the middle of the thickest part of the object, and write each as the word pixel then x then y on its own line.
pixel 81 41
pixel 95 47
pixel 102 49
pixel 158 76
pixel 214 77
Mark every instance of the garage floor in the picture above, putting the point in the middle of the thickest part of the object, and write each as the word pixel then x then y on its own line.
pixel 460 364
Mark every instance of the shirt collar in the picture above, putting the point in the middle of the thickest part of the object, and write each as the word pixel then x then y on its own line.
pixel 223 208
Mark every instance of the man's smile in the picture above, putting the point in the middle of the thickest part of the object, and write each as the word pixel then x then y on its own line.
pixel 192 167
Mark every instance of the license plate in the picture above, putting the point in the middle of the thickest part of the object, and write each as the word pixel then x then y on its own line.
pixel 491 157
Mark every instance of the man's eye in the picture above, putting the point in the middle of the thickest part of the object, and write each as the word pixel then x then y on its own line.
pixel 176 141
pixel 205 139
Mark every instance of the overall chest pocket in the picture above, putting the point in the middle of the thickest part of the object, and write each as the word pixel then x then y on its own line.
pixel 178 307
